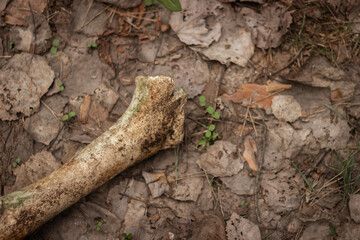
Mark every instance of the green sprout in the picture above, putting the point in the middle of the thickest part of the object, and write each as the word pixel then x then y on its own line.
pixel 172 5
pixel 127 236
pixel 202 101
pixel 212 112
pixel 333 230
pixel 98 227
pixel 244 204
pixel 11 45
pixel 55 44
pixel 92 45
pixel 16 163
pixel 66 117
pixel 72 114
pixel 60 86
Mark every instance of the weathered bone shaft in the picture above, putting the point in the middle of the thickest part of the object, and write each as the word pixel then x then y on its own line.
pixel 153 121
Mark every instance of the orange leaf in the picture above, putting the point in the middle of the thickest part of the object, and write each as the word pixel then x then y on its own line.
pixel 276 87
pixel 257 95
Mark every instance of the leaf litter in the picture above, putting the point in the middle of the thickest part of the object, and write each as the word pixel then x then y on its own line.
pixel 299 74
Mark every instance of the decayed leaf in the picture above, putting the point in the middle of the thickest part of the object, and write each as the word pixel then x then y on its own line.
pixel 22 87
pixel 20 8
pixel 210 28
pixel 258 95
pixel 249 153
pixel 191 26
pixel 268 26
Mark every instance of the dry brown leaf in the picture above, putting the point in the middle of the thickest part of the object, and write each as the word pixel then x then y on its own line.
pixel 246 131
pixel 335 94
pixel 154 218
pixel 164 27
pixel 104 52
pixel 84 109
pixel 259 95
pixel 15 21
pixel 250 152
pixel 276 87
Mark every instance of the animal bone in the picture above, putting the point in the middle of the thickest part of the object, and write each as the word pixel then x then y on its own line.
pixel 153 121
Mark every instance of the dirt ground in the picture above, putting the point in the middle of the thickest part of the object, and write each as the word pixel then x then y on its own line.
pixel 271 146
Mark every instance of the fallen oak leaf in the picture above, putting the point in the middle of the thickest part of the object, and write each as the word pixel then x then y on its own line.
pixel 257 95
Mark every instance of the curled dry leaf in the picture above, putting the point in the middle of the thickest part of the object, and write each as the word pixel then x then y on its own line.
pixel 249 153
pixel 258 95
pixel 84 109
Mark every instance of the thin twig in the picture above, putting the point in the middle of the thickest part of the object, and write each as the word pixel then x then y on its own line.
pixel 252 122
pixel 34 31
pixel 92 19
pixel 261 162
pixel 220 203
pixel 87 12
pixel 2 139
pixel 212 190
pixel 197 122
pixel 320 158
pixel 246 116
pixel 52 111
pixel 270 95
pixel 227 120
pixel 176 163
pixel 218 81
pixel 291 61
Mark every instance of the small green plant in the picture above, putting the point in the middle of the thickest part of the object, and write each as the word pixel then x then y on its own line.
pixel 202 101
pixel 333 230
pixel 210 135
pixel 11 45
pixel 172 5
pixel 68 116
pixel 92 45
pixel 98 227
pixel 16 163
pixel 244 204
pixel 60 86
pixel 212 112
pixel 127 236
pixel 55 45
